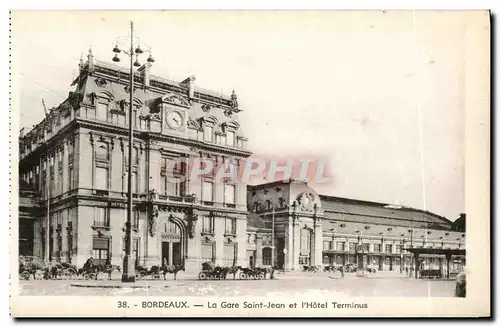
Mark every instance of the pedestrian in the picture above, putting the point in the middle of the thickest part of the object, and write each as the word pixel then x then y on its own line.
pixel 342 271
pixel 460 285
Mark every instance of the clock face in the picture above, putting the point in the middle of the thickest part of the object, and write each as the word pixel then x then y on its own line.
pixel 174 119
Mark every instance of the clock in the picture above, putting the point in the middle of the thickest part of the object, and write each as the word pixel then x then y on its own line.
pixel 174 119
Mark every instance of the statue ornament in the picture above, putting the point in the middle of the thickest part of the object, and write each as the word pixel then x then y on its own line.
pixel 153 222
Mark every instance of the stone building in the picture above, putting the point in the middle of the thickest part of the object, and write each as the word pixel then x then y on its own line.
pixel 74 165
pixel 318 230
pixel 77 159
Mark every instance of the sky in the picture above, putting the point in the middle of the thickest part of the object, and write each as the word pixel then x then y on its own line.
pixel 380 94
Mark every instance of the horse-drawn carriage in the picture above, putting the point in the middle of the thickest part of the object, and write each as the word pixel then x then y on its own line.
pixel 311 268
pixel 210 271
pixel 155 272
pixel 33 266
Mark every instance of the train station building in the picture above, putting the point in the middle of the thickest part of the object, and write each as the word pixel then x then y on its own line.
pixel 73 169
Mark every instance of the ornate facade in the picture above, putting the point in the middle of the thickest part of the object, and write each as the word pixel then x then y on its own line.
pixel 74 166
pixel 76 160
pixel 314 229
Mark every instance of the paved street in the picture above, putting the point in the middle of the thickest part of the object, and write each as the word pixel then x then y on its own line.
pixel 372 285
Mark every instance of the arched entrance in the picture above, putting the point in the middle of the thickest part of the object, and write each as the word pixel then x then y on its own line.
pixel 173 241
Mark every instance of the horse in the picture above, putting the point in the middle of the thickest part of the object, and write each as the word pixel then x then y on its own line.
pixel 171 269
pixel 230 270
pixel 267 270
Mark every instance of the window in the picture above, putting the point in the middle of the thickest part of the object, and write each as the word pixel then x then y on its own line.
pixel 70 245
pixel 208 133
pixel 388 248
pixel 135 181
pixel 377 247
pixel 341 246
pixel 305 239
pixel 304 261
pixel 352 246
pixel 366 247
pixel 229 193
pixel 229 257
pixel 230 226
pixel 135 222
pixel 398 248
pixel 327 245
pixel 230 138
pixel 101 178
pixel 100 250
pixel 102 111
pixel 207 191
pixel 170 176
pixel 101 218
pixel 207 252
pixel 70 177
pixel 172 228
pixel 266 256
pixel 208 226
pixel 101 152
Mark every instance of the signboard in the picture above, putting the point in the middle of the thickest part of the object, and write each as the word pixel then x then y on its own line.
pixel 219 214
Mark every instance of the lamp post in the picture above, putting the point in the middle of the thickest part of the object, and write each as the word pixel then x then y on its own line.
pixel 272 241
pixel 333 244
pixel 128 261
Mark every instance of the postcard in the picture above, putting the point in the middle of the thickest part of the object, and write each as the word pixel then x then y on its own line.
pixel 250 163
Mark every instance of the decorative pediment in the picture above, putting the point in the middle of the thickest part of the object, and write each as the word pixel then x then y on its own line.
pixel 210 119
pixel 231 125
pixel 306 200
pixel 106 94
pixel 193 124
pixel 124 103
pixel 175 99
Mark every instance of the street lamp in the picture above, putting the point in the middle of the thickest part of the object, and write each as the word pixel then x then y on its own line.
pixel 333 244
pixel 128 261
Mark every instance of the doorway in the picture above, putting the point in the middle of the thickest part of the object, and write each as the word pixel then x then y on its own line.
pixel 171 253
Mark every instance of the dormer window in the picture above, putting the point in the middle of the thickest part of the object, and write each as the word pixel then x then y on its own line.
pixel 230 138
pixel 208 133
pixel 102 110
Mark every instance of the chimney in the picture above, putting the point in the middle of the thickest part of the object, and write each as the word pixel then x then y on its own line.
pixel 189 82
pixel 144 71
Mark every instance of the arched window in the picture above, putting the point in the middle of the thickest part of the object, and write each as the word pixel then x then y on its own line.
pixel 172 228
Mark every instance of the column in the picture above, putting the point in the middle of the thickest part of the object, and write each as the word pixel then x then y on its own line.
pixel 116 167
pixel 85 162
pixel 64 182
pixel 289 245
pixel 219 240
pixel 84 237
pixel 64 235
pixel 448 258
pixel 37 241
pixel 417 265
pixel 241 239
pixel 258 250
pixel 318 243
pixel 296 245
